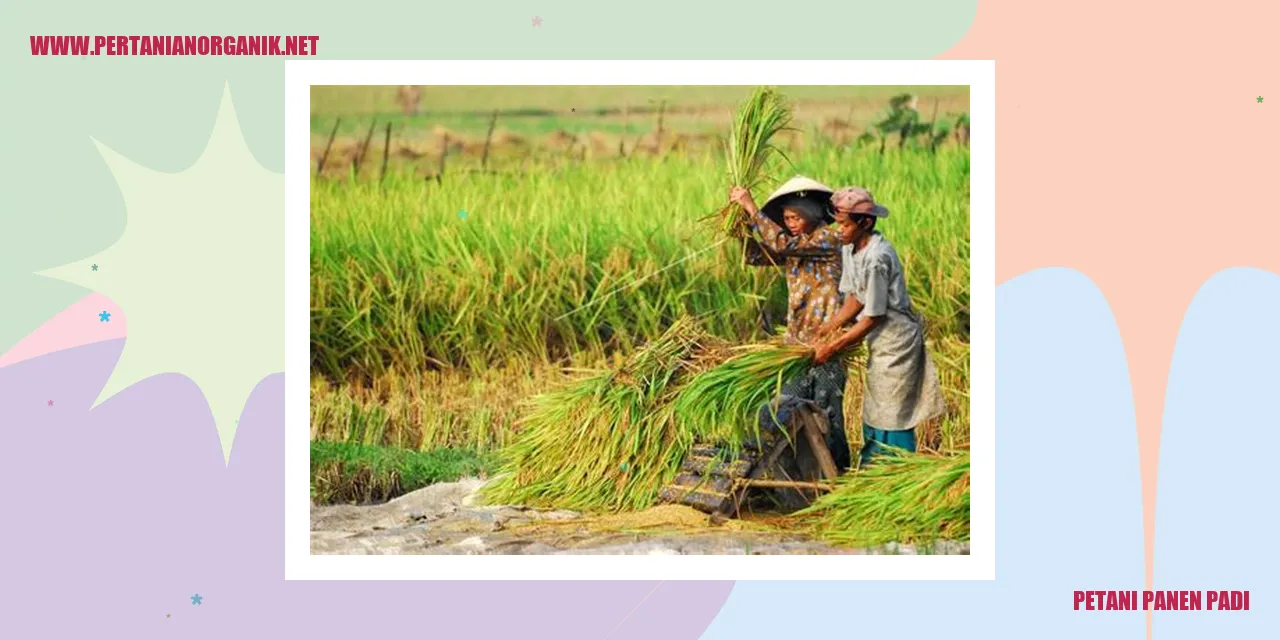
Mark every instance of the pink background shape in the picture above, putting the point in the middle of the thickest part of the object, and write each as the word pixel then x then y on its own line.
pixel 1135 151
pixel 75 326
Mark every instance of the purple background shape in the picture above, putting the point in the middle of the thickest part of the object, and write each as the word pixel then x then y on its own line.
pixel 116 516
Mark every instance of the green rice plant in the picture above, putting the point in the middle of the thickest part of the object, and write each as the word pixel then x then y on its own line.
pixel 723 403
pixel 587 260
pixel 429 409
pixel 749 150
pixel 606 442
pixel 905 498
pixel 613 439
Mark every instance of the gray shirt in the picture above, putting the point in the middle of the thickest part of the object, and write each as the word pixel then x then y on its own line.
pixel 900 388
pixel 874 276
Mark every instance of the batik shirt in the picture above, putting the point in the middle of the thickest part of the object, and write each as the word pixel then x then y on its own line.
pixel 811 263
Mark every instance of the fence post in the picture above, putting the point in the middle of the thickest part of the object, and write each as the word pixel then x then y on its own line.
pixel 484 159
pixel 386 149
pixel 364 148
pixel 325 156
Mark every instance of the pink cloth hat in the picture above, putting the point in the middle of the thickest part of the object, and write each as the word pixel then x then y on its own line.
pixel 857 201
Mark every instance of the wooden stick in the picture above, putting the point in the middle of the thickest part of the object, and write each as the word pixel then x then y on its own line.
pixel 788 484
pixel 364 148
pixel 813 433
pixel 484 160
pixel 386 150
pixel 325 156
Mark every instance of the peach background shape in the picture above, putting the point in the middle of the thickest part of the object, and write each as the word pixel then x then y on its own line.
pixel 1131 147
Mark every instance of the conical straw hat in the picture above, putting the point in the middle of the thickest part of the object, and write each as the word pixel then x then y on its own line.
pixel 805 188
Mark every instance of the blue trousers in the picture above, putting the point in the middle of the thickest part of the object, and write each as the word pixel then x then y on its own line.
pixel 873 439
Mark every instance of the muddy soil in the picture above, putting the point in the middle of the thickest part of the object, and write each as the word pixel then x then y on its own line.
pixel 448 519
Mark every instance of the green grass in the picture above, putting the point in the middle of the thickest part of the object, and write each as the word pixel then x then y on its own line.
pixel 588 258
pixel 353 473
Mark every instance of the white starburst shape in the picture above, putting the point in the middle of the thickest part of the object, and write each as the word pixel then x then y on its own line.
pixel 198 272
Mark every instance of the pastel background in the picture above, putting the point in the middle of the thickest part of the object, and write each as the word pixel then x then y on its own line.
pixel 1135 263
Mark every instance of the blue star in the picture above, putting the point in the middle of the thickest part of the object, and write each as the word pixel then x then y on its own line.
pixel 104 317
pixel 462 214
pixel 196 599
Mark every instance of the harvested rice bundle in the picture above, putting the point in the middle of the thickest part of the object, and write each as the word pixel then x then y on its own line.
pixel 723 403
pixel 609 441
pixel 750 148
pixel 908 499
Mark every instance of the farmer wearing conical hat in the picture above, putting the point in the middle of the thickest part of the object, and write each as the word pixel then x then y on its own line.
pixel 901 388
pixel 794 227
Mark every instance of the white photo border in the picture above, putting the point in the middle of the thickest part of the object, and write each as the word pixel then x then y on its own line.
pixel 300 75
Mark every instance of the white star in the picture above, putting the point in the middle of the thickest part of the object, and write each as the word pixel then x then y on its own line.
pixel 198 272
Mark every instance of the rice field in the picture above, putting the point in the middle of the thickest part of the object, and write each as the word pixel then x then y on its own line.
pixel 442 308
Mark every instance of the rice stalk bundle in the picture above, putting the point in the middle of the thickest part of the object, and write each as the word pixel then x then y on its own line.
pixel 750 148
pixel 608 441
pixel 723 403
pixel 906 499
pixel 612 440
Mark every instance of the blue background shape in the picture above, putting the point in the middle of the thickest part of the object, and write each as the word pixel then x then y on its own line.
pixel 1068 497
pixel 1216 503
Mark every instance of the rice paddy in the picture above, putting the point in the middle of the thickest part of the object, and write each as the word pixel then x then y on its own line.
pixel 505 302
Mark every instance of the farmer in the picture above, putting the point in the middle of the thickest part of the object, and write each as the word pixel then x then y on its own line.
pixel 901 389
pixel 794 226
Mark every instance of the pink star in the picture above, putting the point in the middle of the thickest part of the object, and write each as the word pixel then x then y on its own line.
pixel 537 22
pixel 51 403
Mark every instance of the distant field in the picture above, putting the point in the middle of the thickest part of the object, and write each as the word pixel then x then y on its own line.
pixel 553 124
pixel 633 109
pixel 353 101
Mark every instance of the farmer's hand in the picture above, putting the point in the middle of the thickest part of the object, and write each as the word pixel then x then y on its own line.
pixel 823 352
pixel 825 330
pixel 741 196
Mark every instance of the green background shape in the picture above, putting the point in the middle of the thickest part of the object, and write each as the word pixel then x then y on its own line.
pixel 61 203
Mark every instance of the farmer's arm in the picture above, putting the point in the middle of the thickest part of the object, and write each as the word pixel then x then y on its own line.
pixel 874 303
pixel 848 311
pixel 773 239
pixel 758 256
pixel 851 337
pixel 825 241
